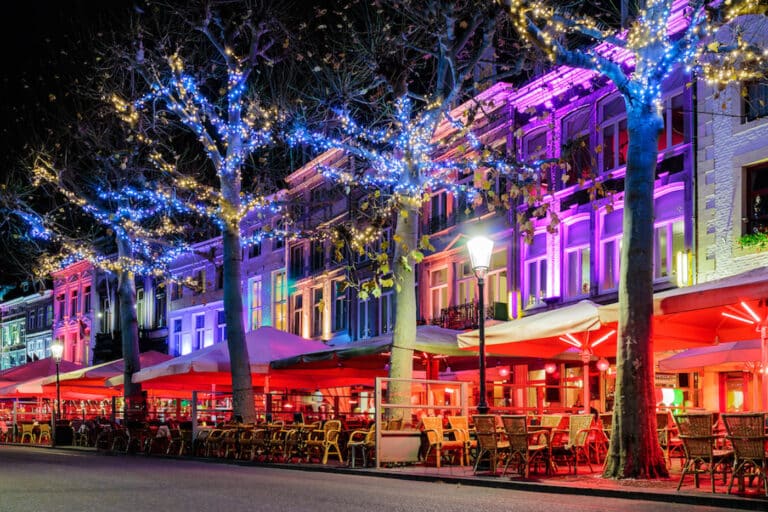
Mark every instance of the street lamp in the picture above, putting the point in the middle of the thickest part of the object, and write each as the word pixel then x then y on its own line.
pixel 480 249
pixel 57 350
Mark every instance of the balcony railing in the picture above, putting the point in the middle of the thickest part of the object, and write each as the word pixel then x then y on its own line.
pixel 465 316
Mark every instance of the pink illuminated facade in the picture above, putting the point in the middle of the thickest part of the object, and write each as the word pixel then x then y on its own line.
pixel 73 308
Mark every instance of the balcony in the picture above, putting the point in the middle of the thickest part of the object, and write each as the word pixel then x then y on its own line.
pixel 464 316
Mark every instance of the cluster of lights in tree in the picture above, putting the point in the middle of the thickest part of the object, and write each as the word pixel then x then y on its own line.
pixel 401 157
pixel 654 51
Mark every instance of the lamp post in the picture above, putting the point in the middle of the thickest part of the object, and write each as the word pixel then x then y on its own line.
pixel 480 249
pixel 57 350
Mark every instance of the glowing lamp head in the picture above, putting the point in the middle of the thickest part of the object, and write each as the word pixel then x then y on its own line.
pixel 480 249
pixel 57 350
pixel 550 368
pixel 603 364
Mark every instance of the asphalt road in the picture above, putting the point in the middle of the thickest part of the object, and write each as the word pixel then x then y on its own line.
pixel 45 480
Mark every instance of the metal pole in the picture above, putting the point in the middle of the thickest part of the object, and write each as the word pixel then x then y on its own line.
pixel 58 404
pixel 482 406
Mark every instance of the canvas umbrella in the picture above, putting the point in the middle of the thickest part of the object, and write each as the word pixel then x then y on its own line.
pixel 210 367
pixel 93 378
pixel 35 369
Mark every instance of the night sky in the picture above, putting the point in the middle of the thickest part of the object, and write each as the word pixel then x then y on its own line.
pixel 46 44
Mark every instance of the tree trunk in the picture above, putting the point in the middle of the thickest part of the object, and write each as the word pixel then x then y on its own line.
pixel 634 451
pixel 242 383
pixel 401 359
pixel 129 335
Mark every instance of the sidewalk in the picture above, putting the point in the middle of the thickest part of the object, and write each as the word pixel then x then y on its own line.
pixel 584 483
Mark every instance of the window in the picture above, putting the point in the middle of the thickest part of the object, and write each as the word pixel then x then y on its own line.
pixel 366 319
pixel 534 148
pixel 219 270
pixel 467 283
pixel 496 279
pixel 340 311
pixel 438 291
pixel 576 150
pixel 280 301
pixel 199 341
pixel 41 317
pixel 317 255
pixel 86 300
pixel 176 348
pixel 577 253
pixel 318 306
pixel 438 216
pixel 755 99
pixel 676 129
pixel 756 204
pixel 255 301
pixel 296 268
pixel 535 271
pixel 668 235
pixel 610 250
pixel 254 250
pixel 613 133
pixel 177 291
pixel 200 282
pixel 387 303
pixel 140 307
pixel 106 316
pixel 49 314
pixel 298 303
pixel 73 303
pixel 32 320
pixel 221 326
pixel 160 307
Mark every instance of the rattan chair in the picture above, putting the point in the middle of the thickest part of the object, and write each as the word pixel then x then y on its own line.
pixel 525 447
pixel 45 434
pixel 668 436
pixel 460 427
pixel 491 444
pixel 438 441
pixel 576 446
pixel 362 442
pixel 695 432
pixel 325 440
pixel 746 432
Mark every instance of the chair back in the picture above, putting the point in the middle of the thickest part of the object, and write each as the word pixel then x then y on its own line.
pixel 395 424
pixel 433 428
pixel 516 430
pixel 696 434
pixel 485 423
pixel 551 420
pixel 747 434
pixel 578 431
pixel 460 426
pixel 662 420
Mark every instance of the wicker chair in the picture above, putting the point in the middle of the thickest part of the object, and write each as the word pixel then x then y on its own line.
pixel 437 440
pixel 579 429
pixel 326 440
pixel 698 446
pixel 45 434
pixel 213 443
pixel 229 443
pixel 460 427
pixel 746 432
pixel 521 450
pixel 362 441
pixel 490 443
pixel 668 436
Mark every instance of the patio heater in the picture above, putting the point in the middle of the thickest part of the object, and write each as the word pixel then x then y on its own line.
pixel 57 351
pixel 480 249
